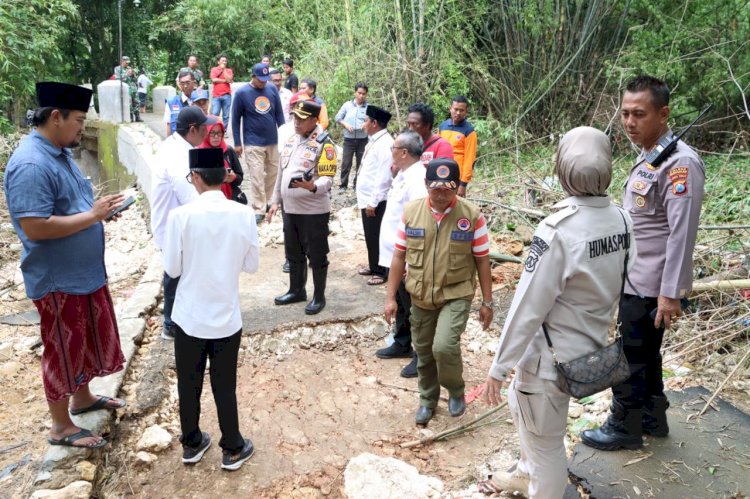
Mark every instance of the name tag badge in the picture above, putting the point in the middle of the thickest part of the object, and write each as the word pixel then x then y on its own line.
pixel 412 232
pixel 462 236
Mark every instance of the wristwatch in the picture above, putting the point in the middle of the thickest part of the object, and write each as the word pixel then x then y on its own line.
pixel 488 304
pixel 314 189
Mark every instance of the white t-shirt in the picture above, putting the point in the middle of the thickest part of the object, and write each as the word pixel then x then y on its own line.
pixel 143 83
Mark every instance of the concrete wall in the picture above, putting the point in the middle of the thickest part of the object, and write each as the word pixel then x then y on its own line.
pixel 136 147
pixel 114 101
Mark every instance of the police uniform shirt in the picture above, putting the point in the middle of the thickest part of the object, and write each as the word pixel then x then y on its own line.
pixel 665 204
pixel 571 281
pixel 298 155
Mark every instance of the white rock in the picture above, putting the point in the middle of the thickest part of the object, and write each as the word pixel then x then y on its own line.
pixel 87 470
pixel 6 351
pixel 155 438
pixel 10 368
pixel 144 458
pixel 76 490
pixel 368 476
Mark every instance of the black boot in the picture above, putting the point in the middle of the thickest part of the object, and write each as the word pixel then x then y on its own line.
pixel 319 297
pixel 297 281
pixel 622 430
pixel 138 116
pixel 654 421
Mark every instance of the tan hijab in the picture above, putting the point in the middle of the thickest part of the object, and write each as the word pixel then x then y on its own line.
pixel 584 162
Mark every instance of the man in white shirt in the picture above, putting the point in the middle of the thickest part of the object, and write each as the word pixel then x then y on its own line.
pixel 284 94
pixel 408 185
pixel 171 189
pixel 373 182
pixel 208 243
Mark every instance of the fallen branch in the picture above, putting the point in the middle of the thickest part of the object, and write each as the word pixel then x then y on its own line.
pixel 501 257
pixel 452 431
pixel 723 227
pixel 721 285
pixel 404 388
pixel 721 386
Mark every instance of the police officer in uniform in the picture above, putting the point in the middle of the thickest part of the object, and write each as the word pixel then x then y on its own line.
pixel 571 283
pixel 306 170
pixel 444 240
pixel 665 203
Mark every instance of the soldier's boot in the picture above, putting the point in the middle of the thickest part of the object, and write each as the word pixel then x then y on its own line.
pixel 297 281
pixel 622 430
pixel 138 116
pixel 319 296
pixel 654 420
pixel 132 118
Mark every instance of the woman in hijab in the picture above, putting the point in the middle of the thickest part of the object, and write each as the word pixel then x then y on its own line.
pixel 231 185
pixel 571 283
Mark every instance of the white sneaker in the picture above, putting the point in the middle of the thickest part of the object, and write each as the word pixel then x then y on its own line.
pixel 515 482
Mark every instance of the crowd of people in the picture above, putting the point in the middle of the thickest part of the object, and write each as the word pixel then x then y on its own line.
pixel 424 240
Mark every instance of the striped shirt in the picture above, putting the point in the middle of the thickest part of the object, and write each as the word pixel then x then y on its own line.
pixel 480 246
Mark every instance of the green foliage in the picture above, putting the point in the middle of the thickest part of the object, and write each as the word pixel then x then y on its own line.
pixel 30 50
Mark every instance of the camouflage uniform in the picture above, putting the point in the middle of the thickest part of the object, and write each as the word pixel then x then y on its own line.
pixel 121 74
pixel 197 73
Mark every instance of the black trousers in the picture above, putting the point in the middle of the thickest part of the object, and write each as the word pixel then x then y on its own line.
pixel 403 327
pixel 371 227
pixel 352 147
pixel 642 347
pixel 190 355
pixel 306 235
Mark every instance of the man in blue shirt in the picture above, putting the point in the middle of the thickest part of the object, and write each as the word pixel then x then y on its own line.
pixel 53 212
pixel 351 117
pixel 257 107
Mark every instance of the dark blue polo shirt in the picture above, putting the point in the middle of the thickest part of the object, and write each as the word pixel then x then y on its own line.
pixel 42 180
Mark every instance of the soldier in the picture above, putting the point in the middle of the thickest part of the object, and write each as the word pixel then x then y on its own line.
pixel 125 74
pixel 444 240
pixel 192 67
pixel 571 283
pixel 303 183
pixel 665 203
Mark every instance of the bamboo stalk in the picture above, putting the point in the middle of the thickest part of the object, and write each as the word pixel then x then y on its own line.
pixel 454 430
pixel 721 285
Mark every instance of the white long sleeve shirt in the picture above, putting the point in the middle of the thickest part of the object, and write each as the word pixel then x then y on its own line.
pixel 208 243
pixel 407 185
pixel 170 187
pixel 374 177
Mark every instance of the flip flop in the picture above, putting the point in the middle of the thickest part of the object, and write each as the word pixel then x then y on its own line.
pixel 101 403
pixel 364 271
pixel 70 440
pixel 375 280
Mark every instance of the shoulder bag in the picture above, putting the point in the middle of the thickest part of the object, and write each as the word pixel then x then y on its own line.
pixel 598 370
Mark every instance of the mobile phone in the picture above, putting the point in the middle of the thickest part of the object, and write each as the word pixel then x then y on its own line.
pixel 292 180
pixel 124 206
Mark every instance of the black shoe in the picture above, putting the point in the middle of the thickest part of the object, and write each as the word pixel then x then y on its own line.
pixel 191 455
pixel 233 462
pixel 456 406
pixel 410 370
pixel 654 420
pixel 622 430
pixel 258 219
pixel 285 267
pixel 343 188
pixel 394 351
pixel 318 302
pixel 424 414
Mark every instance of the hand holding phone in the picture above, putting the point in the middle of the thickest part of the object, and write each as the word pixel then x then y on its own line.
pixel 124 206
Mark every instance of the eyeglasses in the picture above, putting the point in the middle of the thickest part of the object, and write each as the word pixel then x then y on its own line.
pixel 189 177
pixel 185 82
pixel 394 147
pixel 215 134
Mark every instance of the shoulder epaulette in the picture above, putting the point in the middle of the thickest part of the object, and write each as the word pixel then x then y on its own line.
pixel 561 215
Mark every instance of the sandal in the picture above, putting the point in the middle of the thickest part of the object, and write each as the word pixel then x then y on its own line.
pixel 101 403
pixel 70 440
pixel 375 280
pixel 364 271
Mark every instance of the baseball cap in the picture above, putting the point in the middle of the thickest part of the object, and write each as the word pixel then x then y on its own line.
pixel 442 173
pixel 209 157
pixel 304 109
pixel 193 116
pixel 199 94
pixel 262 72
pixel 63 96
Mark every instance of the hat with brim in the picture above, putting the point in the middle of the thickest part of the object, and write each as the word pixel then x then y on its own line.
pixel 209 157
pixel 306 109
pixel 442 173
pixel 193 116
pixel 63 96
pixel 262 71
pixel 378 114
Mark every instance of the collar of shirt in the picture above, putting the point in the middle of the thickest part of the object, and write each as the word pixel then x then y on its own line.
pixel 436 214
pixel 377 135
pixel 212 196
pixel 48 147
pixel 592 201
